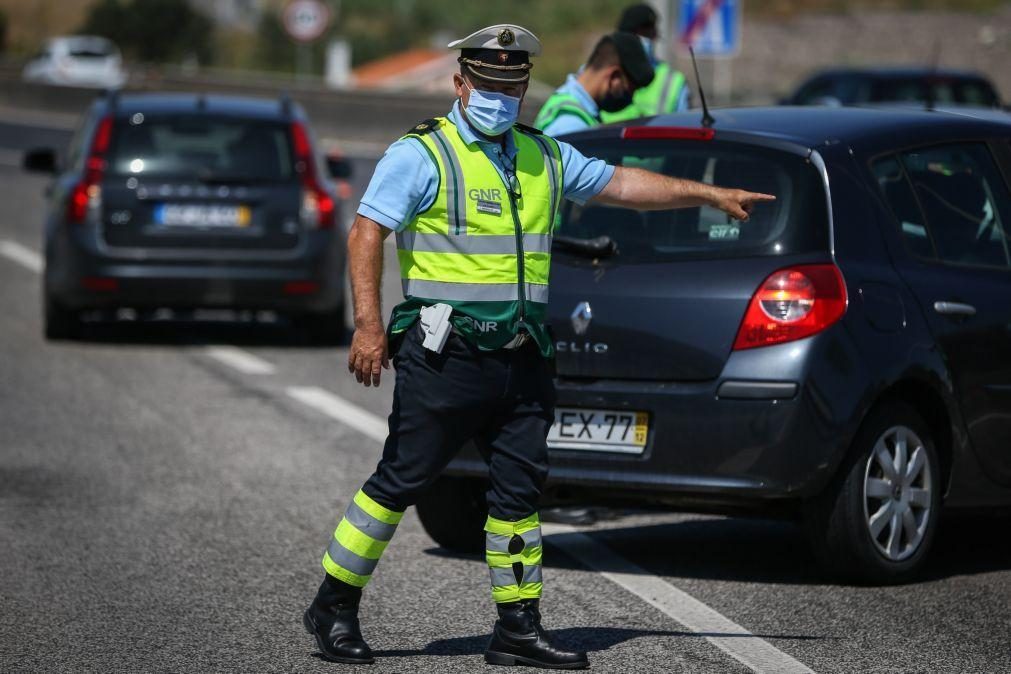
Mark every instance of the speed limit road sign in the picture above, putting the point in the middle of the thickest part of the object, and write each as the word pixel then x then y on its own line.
pixel 306 20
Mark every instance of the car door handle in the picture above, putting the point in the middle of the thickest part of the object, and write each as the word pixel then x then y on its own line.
pixel 954 309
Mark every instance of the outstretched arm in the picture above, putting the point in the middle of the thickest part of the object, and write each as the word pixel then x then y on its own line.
pixel 648 191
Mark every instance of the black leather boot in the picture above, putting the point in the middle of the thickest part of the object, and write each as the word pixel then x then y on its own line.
pixel 332 618
pixel 519 639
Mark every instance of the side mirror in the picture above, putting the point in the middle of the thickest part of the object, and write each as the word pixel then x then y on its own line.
pixel 40 160
pixel 338 167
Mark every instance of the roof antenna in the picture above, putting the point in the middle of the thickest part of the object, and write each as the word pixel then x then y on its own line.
pixel 932 78
pixel 707 119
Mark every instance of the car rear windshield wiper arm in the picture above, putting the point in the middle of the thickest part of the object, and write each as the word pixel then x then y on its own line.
pixel 600 246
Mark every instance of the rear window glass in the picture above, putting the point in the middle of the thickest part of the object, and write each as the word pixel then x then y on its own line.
pixel 201 147
pixel 943 90
pixel 796 222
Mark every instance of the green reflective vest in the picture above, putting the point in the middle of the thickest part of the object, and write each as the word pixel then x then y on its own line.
pixel 660 97
pixel 480 247
pixel 562 103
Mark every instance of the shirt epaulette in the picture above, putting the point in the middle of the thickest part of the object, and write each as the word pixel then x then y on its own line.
pixel 428 126
pixel 528 129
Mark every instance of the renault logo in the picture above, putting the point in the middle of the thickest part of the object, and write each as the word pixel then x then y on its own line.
pixel 581 317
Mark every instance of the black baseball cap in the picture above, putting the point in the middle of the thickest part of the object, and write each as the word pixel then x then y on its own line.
pixel 632 57
pixel 637 16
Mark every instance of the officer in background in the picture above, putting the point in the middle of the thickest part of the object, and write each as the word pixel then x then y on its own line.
pixel 617 67
pixel 472 198
pixel 668 92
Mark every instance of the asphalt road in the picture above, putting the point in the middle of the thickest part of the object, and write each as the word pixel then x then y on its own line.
pixel 164 501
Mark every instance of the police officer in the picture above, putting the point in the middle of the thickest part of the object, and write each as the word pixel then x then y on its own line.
pixel 472 197
pixel 668 92
pixel 617 67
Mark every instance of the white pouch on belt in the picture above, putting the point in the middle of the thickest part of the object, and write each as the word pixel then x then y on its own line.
pixel 435 326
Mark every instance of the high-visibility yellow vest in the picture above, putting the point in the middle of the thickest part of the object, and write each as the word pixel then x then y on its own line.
pixel 481 247
pixel 563 103
pixel 660 97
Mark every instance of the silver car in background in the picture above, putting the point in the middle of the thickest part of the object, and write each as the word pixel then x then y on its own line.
pixel 77 61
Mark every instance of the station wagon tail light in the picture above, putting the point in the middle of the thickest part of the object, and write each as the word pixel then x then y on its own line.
pixel 318 208
pixel 791 304
pixel 86 196
pixel 667 133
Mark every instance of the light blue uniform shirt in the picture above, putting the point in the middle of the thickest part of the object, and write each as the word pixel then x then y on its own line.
pixel 571 123
pixel 406 179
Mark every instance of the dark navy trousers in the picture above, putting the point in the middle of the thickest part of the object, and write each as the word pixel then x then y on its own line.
pixel 502 400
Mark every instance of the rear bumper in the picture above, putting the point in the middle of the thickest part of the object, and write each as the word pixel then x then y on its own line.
pixel 82 275
pixel 709 451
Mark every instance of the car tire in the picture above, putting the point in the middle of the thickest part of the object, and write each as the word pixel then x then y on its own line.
pixel 324 329
pixel 876 522
pixel 59 322
pixel 453 512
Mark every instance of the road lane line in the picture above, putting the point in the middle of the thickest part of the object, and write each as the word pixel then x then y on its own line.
pixel 243 361
pixel 341 410
pixel 737 642
pixel 24 256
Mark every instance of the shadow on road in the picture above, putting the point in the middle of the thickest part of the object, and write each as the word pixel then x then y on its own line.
pixel 589 639
pixel 189 332
pixel 777 552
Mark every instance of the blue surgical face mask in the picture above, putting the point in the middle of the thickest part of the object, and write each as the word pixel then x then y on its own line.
pixel 490 112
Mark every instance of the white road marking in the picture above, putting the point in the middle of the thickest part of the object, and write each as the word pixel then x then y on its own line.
pixel 737 642
pixel 243 361
pixel 341 410
pixel 24 256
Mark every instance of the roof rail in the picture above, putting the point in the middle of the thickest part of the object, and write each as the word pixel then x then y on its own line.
pixel 111 96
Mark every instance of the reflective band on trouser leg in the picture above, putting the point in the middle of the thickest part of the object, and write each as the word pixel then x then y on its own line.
pixel 505 586
pixel 360 539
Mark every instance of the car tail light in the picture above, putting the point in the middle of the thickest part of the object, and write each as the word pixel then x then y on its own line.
pixel 318 208
pixel 793 303
pixel 667 133
pixel 86 196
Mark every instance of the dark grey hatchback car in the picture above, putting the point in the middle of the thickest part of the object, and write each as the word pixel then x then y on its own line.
pixel 844 357
pixel 186 201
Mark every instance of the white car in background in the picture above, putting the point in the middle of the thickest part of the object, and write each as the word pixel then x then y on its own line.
pixel 77 61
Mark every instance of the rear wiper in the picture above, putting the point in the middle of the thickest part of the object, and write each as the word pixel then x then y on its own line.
pixel 601 246
pixel 223 178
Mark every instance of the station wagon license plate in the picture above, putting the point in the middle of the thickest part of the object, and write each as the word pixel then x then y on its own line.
pixel 201 215
pixel 599 430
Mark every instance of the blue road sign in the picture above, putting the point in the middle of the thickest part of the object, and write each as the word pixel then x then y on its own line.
pixel 712 27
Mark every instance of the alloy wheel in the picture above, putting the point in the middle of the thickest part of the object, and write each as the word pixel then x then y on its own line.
pixel 898 493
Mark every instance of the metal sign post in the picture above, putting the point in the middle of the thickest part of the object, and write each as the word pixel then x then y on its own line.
pixel 713 29
pixel 305 21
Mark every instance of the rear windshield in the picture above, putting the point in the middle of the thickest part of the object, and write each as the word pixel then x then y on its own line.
pixel 201 147
pixel 797 222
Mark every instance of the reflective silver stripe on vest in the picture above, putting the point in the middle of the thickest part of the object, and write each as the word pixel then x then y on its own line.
pixel 497 542
pixel 503 577
pixel 672 75
pixel 532 574
pixel 532 538
pixel 369 525
pixel 349 561
pixel 505 244
pixel 456 189
pixel 549 162
pixel 473 292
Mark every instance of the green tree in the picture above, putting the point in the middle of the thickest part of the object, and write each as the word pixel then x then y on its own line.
pixel 153 30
